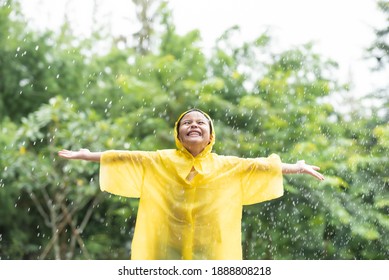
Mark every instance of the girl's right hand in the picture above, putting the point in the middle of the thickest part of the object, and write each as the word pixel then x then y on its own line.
pixel 81 154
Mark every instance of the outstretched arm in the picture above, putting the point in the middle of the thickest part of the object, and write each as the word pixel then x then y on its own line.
pixel 82 154
pixel 302 167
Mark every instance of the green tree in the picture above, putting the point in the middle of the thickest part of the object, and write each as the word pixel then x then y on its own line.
pixel 126 98
pixel 35 67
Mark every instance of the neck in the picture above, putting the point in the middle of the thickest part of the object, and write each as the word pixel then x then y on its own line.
pixel 195 151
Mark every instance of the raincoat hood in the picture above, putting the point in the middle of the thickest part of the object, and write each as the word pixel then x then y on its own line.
pixel 207 150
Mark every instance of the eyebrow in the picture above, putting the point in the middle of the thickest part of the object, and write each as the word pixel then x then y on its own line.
pixel 204 120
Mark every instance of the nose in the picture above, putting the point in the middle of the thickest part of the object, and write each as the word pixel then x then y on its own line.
pixel 193 125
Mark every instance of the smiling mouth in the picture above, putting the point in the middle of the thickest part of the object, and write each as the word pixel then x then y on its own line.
pixel 194 133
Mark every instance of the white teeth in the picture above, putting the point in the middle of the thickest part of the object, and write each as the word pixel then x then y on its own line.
pixel 194 133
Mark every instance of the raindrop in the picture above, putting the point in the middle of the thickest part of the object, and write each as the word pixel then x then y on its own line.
pixel 24 82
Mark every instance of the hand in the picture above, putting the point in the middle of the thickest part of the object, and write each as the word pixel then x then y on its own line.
pixel 81 154
pixel 309 169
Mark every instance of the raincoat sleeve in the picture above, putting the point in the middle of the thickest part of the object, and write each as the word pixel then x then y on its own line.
pixel 122 172
pixel 261 179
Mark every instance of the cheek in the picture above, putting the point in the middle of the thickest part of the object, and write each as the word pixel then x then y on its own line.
pixel 208 132
pixel 180 133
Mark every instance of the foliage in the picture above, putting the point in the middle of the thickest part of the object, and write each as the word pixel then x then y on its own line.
pixel 128 98
pixel 380 48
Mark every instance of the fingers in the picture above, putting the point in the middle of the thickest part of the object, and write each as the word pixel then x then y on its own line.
pixel 311 169
pixel 312 166
pixel 315 167
pixel 81 154
pixel 68 154
pixel 65 153
pixel 317 175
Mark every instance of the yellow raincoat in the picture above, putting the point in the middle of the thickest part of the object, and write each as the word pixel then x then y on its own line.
pixel 180 218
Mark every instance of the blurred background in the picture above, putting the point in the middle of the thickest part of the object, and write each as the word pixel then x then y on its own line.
pixel 117 74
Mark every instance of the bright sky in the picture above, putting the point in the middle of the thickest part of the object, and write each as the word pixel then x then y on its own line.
pixel 339 29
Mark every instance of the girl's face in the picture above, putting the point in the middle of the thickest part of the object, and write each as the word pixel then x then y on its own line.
pixel 194 132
